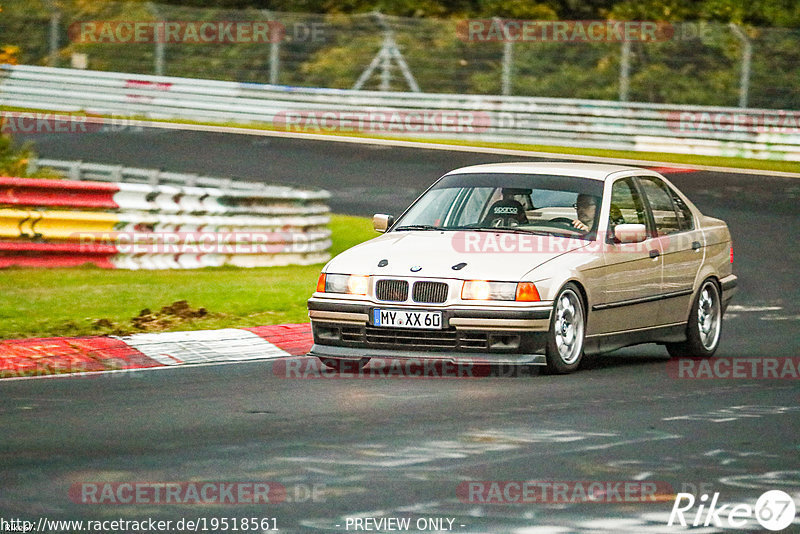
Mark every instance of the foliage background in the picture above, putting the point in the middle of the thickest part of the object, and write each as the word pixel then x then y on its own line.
pixel 700 66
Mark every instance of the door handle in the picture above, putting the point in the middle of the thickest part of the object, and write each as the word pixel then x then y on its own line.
pixel 654 253
pixel 696 245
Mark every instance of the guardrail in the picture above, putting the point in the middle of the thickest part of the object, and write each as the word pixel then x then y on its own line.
pixel 718 131
pixel 142 226
pixel 102 172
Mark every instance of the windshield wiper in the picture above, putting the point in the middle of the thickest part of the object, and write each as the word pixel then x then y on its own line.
pixel 516 230
pixel 417 227
pixel 502 229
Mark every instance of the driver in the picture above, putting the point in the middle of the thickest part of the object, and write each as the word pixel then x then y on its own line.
pixel 586 208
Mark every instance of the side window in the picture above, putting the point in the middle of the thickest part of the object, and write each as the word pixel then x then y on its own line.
pixel 685 217
pixel 660 199
pixel 626 206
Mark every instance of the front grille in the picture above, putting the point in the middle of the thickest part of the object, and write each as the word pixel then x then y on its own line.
pixel 430 292
pixel 391 290
pixel 413 339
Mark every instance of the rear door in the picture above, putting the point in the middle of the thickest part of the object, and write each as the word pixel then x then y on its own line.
pixel 681 244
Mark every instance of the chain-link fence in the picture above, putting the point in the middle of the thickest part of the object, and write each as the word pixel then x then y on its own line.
pixel 683 63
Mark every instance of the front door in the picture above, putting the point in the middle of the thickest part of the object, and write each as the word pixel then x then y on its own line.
pixel 632 272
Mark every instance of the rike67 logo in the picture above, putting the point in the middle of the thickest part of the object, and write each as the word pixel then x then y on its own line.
pixel 774 510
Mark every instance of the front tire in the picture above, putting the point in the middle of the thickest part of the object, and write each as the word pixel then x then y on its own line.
pixel 567 330
pixel 704 326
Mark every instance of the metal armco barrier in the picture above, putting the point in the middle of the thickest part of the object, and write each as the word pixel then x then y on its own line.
pixel 58 223
pixel 703 130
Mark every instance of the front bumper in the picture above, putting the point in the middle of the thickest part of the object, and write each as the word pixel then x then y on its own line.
pixel 494 335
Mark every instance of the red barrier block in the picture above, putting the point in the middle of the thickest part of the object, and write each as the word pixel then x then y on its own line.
pixel 57 193
pixel 45 356
pixel 16 366
pixel 23 254
pixel 113 353
pixel 296 339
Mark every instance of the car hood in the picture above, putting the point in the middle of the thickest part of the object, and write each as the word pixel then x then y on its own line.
pixel 487 255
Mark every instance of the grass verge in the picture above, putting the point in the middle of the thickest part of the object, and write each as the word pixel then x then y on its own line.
pixel 93 301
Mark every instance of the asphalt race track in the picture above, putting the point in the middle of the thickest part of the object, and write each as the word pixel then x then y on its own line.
pixel 405 447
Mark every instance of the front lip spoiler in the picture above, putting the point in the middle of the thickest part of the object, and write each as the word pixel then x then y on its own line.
pixel 539 313
pixel 347 353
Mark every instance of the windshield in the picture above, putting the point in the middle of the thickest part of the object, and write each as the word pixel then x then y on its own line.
pixel 559 205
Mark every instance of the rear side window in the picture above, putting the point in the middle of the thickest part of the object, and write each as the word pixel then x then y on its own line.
pixel 660 199
pixel 685 217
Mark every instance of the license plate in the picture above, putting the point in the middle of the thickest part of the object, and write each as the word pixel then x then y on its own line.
pixel 431 320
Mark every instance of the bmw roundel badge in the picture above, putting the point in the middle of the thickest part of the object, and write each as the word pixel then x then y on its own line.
pixel 416 269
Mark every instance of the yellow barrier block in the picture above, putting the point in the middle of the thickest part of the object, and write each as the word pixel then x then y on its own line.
pixel 15 222
pixel 74 224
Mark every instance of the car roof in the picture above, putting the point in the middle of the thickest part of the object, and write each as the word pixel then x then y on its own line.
pixel 595 171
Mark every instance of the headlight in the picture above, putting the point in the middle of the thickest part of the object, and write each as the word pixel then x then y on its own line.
pixel 484 290
pixel 352 284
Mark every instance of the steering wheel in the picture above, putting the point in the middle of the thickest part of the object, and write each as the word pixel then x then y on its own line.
pixel 566 223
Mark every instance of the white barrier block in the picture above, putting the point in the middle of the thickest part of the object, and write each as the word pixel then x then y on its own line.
pixel 134 197
pixel 203 346
pixel 165 199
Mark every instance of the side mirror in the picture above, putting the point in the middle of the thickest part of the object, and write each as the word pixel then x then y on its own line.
pixel 381 222
pixel 630 233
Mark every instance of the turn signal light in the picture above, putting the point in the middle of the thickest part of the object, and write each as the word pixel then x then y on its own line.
pixel 527 292
pixel 321 283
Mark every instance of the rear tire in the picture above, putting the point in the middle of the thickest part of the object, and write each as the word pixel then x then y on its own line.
pixel 567 330
pixel 704 326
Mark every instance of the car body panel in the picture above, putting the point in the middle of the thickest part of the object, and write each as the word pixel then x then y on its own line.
pixel 435 253
pixel 633 292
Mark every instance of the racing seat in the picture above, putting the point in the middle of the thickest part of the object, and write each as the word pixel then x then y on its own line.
pixel 505 213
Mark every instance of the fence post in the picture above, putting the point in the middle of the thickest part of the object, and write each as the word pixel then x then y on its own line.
pixel 274 51
pixel 55 22
pixel 75 170
pixel 160 36
pixel 508 58
pixel 747 58
pixel 624 70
